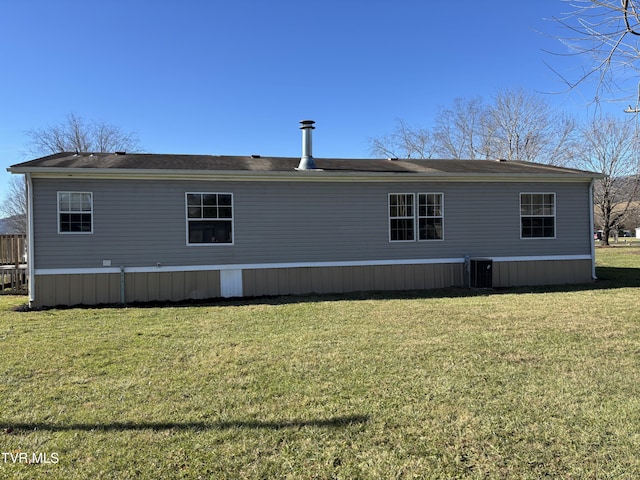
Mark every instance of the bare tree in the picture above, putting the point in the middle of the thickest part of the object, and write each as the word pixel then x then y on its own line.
pixel 523 126
pixel 460 130
pixel 612 148
pixel 405 142
pixel 76 134
pixel 516 126
pixel 607 34
pixel 14 206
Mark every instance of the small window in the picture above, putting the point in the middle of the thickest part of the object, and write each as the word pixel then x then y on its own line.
pixel 401 217
pixel 430 216
pixel 537 215
pixel 75 212
pixel 209 218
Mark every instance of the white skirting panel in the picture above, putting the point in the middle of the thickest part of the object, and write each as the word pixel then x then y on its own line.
pixel 231 283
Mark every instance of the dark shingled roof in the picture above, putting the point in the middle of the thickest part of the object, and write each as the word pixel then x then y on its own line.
pixel 213 163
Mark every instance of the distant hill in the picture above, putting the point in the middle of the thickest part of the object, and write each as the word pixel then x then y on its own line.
pixel 6 227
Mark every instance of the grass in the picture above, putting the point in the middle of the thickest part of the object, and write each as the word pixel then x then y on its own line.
pixel 449 384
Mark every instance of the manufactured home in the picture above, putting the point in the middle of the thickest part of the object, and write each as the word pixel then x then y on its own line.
pixel 120 228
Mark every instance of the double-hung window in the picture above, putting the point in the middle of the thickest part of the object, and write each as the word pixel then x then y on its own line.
pixel 75 212
pixel 401 217
pixel 209 218
pixel 409 221
pixel 537 215
pixel 430 218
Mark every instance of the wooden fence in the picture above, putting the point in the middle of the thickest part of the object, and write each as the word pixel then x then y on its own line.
pixel 13 262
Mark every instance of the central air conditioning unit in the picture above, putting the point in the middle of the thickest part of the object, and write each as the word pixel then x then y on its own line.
pixel 481 273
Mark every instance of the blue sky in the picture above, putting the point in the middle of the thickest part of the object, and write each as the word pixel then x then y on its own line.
pixel 235 77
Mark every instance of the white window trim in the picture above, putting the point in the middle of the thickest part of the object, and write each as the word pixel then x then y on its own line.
pixel 555 209
pixel 60 232
pixel 389 217
pixel 418 217
pixel 186 217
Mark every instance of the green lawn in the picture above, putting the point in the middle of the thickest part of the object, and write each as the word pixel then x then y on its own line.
pixel 452 384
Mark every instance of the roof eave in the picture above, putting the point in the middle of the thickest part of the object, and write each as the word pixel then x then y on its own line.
pixel 304 175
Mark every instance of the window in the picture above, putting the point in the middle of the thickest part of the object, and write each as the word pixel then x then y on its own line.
pixel 430 216
pixel 75 212
pixel 538 215
pixel 209 218
pixel 403 217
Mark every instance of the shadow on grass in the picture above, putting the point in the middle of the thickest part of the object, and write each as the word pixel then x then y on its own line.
pixel 607 278
pixel 616 277
pixel 334 422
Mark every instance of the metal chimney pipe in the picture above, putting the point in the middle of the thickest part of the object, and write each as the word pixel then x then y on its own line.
pixel 306 161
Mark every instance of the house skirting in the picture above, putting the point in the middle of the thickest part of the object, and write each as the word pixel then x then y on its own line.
pixel 52 287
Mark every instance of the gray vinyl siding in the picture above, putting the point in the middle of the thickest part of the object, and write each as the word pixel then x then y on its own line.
pixel 142 223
